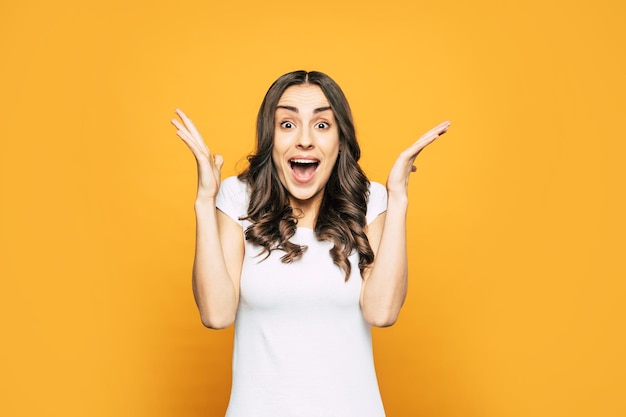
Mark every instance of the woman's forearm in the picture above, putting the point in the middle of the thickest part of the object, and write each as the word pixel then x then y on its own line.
pixel 213 287
pixel 386 286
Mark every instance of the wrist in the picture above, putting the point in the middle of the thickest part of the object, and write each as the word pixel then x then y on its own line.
pixel 204 202
pixel 399 197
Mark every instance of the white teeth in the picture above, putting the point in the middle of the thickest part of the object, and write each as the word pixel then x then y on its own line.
pixel 303 161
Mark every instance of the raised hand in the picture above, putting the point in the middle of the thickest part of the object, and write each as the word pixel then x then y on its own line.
pixel 209 165
pixel 398 179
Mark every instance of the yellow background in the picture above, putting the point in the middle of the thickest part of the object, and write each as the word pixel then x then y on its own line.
pixel 516 227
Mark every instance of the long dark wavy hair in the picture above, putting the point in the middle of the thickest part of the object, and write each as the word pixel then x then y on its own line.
pixel 341 217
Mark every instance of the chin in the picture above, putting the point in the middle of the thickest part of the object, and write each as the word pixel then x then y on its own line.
pixel 304 195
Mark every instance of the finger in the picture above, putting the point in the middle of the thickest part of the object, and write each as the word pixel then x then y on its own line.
pixel 426 139
pixel 190 137
pixel 440 129
pixel 183 129
pixel 191 128
pixel 182 115
pixel 430 136
pixel 185 119
pixel 188 123
pixel 192 144
pixel 219 161
pixel 179 126
pixel 183 133
pixel 417 146
pixel 196 146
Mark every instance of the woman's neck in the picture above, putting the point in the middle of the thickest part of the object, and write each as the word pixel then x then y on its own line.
pixel 306 211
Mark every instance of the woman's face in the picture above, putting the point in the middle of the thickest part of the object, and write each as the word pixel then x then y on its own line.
pixel 306 143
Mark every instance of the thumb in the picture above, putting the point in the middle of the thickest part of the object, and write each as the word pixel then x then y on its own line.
pixel 219 161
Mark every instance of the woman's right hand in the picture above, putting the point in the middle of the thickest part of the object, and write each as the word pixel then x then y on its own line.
pixel 209 165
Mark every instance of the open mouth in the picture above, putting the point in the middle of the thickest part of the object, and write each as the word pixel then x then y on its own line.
pixel 304 168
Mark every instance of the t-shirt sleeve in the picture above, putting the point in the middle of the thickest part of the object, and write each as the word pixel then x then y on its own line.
pixel 232 198
pixel 377 202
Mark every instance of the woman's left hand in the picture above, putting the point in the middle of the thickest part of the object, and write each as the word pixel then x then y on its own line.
pixel 398 179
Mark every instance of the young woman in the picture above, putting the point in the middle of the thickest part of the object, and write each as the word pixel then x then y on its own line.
pixel 302 253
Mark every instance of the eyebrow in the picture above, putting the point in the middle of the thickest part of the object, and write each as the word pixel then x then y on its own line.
pixel 295 109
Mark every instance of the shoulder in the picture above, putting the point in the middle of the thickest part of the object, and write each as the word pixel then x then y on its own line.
pixel 377 189
pixel 234 185
pixel 233 198
pixel 376 202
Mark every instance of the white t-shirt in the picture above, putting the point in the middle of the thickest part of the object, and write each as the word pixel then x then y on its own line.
pixel 302 347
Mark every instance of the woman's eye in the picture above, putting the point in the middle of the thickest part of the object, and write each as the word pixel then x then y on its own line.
pixel 286 125
pixel 323 125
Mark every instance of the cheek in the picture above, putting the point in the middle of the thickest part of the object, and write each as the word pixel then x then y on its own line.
pixel 276 151
pixel 280 142
pixel 334 164
pixel 332 160
pixel 276 159
pixel 333 148
pixel 278 162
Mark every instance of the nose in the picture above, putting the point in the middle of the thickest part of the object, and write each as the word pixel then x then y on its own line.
pixel 305 139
